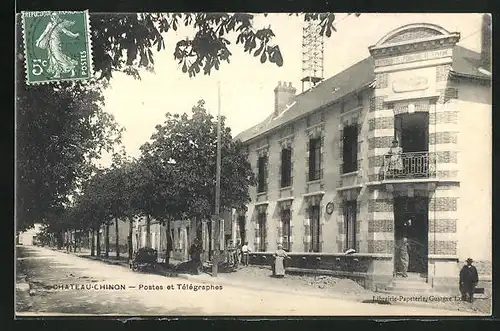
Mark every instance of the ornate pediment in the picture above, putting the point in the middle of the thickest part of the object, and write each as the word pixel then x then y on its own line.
pixel 413 34
pixel 414 38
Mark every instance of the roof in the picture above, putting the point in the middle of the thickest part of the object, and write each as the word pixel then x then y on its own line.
pixel 351 80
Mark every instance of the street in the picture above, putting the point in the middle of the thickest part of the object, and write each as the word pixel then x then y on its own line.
pixel 62 283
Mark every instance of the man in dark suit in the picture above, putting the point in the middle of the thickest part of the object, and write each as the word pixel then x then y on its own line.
pixel 468 281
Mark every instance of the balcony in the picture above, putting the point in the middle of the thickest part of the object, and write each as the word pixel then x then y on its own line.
pixel 404 166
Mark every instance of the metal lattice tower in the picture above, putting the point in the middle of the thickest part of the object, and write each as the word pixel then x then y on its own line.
pixel 312 54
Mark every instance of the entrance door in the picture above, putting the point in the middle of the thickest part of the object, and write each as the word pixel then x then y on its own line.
pixel 411 221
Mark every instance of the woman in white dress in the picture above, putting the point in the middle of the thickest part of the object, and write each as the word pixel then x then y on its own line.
pixel 395 163
pixel 50 39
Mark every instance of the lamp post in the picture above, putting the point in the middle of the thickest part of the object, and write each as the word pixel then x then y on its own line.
pixel 216 223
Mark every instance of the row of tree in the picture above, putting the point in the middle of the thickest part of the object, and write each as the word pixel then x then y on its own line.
pixel 172 179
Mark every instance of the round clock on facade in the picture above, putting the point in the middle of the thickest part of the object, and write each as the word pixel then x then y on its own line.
pixel 329 208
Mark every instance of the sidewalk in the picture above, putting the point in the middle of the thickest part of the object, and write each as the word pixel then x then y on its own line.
pixel 259 279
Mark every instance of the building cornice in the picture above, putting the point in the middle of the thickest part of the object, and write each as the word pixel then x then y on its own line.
pixel 411 46
pixel 302 116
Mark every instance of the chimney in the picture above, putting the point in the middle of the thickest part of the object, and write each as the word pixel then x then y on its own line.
pixel 284 94
pixel 486 42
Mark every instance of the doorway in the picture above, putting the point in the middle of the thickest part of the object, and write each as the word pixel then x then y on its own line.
pixel 411 221
pixel 412 132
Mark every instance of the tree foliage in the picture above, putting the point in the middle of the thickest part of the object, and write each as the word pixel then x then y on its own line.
pixel 186 146
pixel 60 130
pixel 126 42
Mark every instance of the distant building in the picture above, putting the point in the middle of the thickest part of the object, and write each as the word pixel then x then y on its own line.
pixel 28 237
pixel 325 183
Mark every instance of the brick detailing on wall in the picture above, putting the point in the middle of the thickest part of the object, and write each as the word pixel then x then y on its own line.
pixel 380 205
pixel 442 247
pixel 443 204
pixel 381 80
pixel 376 161
pixel 444 117
pixel 447 94
pixel 442 72
pixel 444 157
pixel 380 226
pixel 447 174
pixel 377 103
pixel 443 226
pixel 380 142
pixel 381 123
pixel 437 138
pixel 381 246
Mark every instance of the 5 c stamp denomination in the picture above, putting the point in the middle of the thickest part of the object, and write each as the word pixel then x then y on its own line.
pixel 57 46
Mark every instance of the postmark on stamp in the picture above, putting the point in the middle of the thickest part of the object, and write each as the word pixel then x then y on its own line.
pixel 57 46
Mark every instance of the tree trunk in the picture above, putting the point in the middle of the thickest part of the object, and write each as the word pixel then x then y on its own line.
pixel 169 244
pixel 74 241
pixel 148 231
pixel 98 241
pixel 92 243
pixel 106 241
pixel 117 240
pixel 130 233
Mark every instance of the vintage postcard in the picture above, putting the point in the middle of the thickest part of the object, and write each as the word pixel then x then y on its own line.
pixel 237 164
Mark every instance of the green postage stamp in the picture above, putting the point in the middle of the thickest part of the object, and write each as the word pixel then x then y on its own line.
pixel 57 46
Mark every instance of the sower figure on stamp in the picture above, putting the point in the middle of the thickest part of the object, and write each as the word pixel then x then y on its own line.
pixel 468 281
pixel 50 39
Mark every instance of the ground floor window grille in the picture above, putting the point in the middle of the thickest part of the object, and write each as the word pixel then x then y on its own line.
pixel 350 224
pixel 285 228
pixel 315 228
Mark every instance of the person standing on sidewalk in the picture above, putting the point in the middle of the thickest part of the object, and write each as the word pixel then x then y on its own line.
pixel 468 281
pixel 195 253
pixel 245 251
pixel 279 262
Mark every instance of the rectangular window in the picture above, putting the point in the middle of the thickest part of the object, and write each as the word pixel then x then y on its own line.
pixel 314 159
pixel 285 228
pixel 350 209
pixel 350 148
pixel 359 98
pixel 315 231
pixel 262 231
pixel 262 185
pixel 286 167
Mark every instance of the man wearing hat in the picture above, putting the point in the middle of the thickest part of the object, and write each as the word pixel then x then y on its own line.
pixel 468 280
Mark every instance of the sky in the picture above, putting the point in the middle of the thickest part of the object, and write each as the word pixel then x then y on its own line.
pixel 247 95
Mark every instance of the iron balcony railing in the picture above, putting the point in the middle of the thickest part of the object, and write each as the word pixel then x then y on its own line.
pixel 408 166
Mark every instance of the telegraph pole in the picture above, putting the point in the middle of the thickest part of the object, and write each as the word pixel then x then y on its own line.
pixel 216 228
